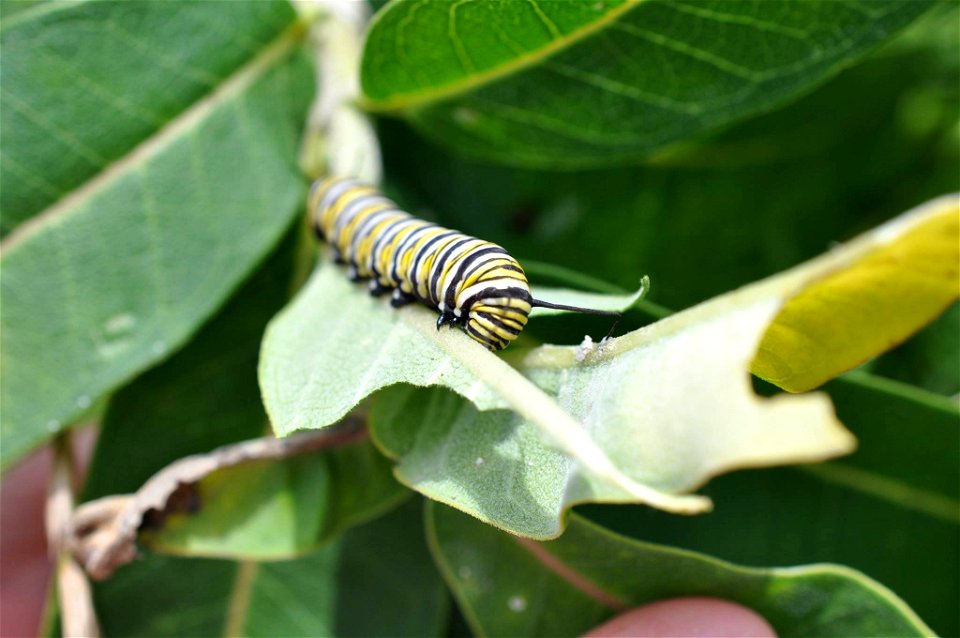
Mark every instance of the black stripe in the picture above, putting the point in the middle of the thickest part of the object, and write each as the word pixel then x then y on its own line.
pixel 440 267
pixel 501 267
pixel 423 253
pixel 386 231
pixel 450 298
pixel 500 262
pixel 499 321
pixel 377 247
pixel 398 252
pixel 510 293
pixel 479 337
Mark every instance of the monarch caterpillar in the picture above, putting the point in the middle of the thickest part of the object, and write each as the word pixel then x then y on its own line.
pixel 475 284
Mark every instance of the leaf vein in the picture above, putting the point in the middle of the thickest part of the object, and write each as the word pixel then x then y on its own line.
pixel 547 22
pixel 684 48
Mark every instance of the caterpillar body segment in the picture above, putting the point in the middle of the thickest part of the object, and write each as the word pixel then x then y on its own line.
pixel 475 284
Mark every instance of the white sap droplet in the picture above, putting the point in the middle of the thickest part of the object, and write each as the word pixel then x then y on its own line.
pixel 53 425
pixel 517 603
pixel 83 402
pixel 159 347
pixel 465 572
pixel 584 349
pixel 479 461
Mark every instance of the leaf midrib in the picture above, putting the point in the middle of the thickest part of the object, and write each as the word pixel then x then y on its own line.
pixel 422 98
pixel 231 86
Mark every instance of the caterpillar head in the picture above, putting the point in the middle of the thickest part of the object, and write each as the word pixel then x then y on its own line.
pixel 497 315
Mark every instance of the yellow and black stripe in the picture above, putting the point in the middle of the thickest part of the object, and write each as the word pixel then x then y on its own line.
pixel 476 285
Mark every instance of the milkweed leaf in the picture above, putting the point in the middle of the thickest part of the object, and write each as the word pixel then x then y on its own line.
pixel 517 587
pixel 667 406
pixel 129 170
pixel 574 84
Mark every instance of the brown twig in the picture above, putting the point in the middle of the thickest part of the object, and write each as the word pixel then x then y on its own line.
pixel 75 597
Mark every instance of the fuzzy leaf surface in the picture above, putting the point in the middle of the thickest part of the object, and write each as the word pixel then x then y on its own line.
pixel 314 368
pixel 669 405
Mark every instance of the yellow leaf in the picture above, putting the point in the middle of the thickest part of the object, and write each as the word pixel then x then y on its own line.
pixel 865 298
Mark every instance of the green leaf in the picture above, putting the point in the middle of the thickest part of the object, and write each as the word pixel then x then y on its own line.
pixel 893 502
pixel 154 180
pixel 922 360
pixel 271 509
pixel 203 397
pixel 517 587
pixel 341 590
pixel 87 82
pixel 579 84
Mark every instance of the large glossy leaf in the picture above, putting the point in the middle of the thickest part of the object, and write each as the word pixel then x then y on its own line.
pixel 154 179
pixel 203 397
pixel 511 587
pixel 760 198
pixel 893 502
pixel 577 84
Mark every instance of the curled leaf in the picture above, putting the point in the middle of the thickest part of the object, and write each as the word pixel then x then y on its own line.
pixel 103 533
pixel 865 298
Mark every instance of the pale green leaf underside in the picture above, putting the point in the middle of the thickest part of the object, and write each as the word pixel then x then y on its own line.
pixel 116 275
pixel 586 83
pixel 515 587
pixel 335 345
pixel 665 407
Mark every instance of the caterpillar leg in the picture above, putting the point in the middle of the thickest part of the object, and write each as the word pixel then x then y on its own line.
pixel 446 317
pixel 353 274
pixel 376 288
pixel 400 298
